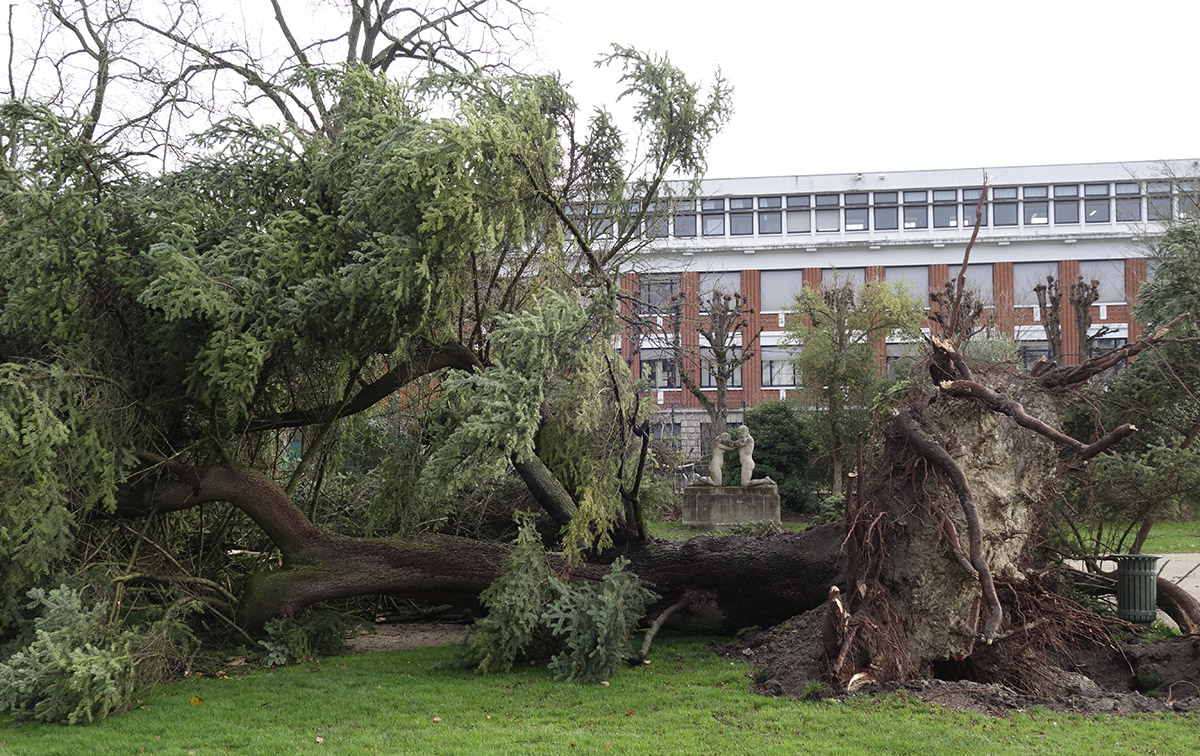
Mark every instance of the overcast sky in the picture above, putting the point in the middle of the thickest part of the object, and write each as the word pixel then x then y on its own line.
pixel 850 86
pixel 843 86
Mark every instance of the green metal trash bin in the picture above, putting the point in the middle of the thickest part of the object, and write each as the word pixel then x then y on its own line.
pixel 1137 592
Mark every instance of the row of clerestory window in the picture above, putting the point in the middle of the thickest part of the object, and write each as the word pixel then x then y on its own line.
pixel 912 210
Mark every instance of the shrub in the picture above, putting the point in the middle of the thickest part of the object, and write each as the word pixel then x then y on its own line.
pixel 315 633
pixel 784 450
pixel 532 613
pixel 596 621
pixel 515 602
pixel 832 509
pixel 757 528
pixel 81 665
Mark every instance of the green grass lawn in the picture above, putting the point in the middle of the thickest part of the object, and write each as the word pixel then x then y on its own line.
pixel 1173 538
pixel 687 701
pixel 1165 537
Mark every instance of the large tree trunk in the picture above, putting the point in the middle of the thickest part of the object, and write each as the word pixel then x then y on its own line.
pixel 730 582
pixel 974 456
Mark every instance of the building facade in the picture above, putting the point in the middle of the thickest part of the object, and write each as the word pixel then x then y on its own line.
pixel 765 238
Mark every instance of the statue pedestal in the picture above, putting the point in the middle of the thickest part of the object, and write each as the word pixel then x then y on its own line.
pixel 722 506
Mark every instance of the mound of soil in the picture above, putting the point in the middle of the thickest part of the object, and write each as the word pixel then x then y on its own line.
pixel 1132 676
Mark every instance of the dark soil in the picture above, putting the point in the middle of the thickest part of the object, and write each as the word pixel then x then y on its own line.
pixel 1136 675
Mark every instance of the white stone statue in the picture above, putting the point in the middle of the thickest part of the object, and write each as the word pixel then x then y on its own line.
pixel 744 443
pixel 721 444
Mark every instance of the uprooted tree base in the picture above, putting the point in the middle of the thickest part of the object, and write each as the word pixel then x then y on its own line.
pixel 1083 675
pixel 944 570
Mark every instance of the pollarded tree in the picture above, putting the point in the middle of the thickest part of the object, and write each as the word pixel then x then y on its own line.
pixel 727 344
pixel 837 344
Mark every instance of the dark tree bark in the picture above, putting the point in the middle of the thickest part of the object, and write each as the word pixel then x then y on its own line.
pixel 733 582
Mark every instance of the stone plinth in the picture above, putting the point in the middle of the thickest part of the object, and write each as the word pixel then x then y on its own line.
pixel 722 506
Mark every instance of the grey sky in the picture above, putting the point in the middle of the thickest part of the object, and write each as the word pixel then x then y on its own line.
pixel 875 85
pixel 865 86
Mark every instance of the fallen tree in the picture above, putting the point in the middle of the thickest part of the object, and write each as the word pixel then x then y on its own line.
pixel 730 582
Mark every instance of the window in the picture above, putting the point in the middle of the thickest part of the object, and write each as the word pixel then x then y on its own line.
pixel 1004 193
pixel 915 198
pixel 887 218
pixel 770 222
pixel 1129 209
pixel 857 218
pixel 1189 200
pixel 978 279
pixel 1110 274
pixel 945 216
pixel 1004 213
pixel 945 195
pixel 1158 201
pixel 685 225
pixel 856 277
pixel 741 203
pixel 827 200
pixel 1097 210
pixel 798 200
pixel 769 203
pixel 1069 190
pixel 1037 213
pixel 1096 190
pixel 778 289
pixel 670 434
pixel 970 203
pixel 726 282
pixel 777 368
pixel 658 368
pixel 916 216
pixel 601 227
pixel 1066 211
pixel 856 199
pixel 712 204
pixel 714 225
pixel 657 290
pixel 1028 275
pixel 1036 192
pixel 1129 202
pixel 900 358
pixel 827 220
pixel 707 368
pixel 741 224
pixel 1031 351
pixel 914 277
pixel 657 223
pixel 799 221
